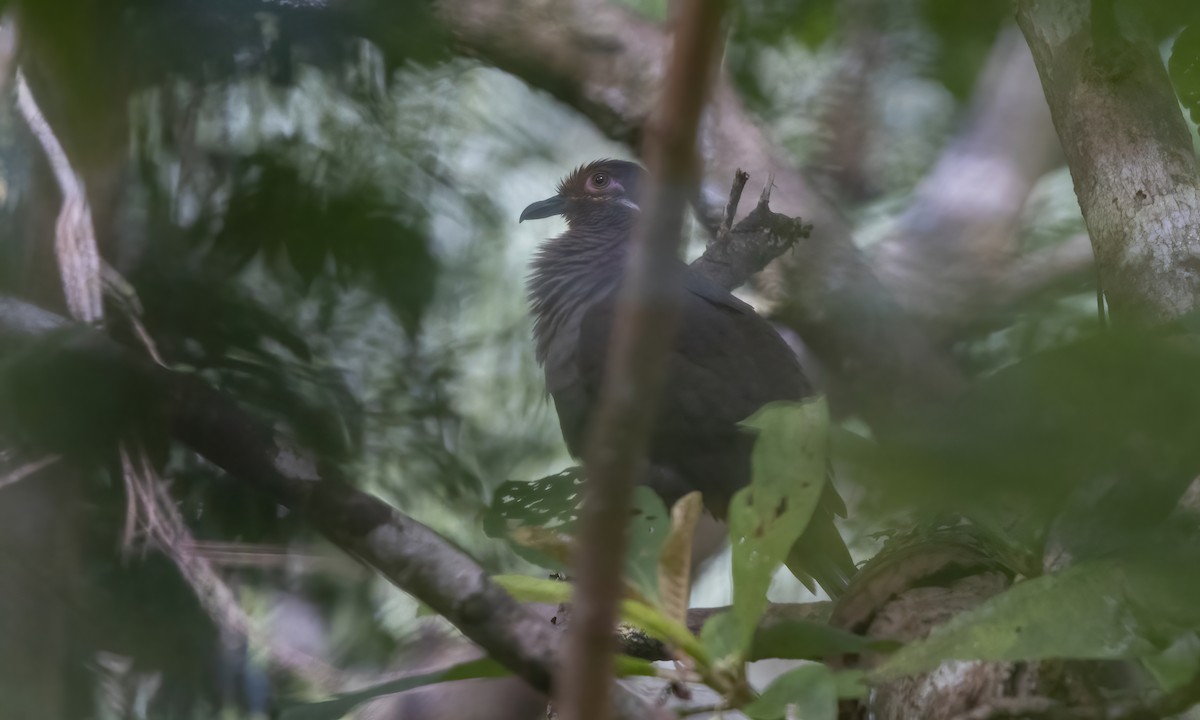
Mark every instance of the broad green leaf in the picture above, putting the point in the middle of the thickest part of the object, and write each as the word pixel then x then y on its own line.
pixel 766 518
pixel 851 684
pixel 628 666
pixel 1176 665
pixel 810 691
pixel 1079 613
pixel 806 640
pixel 721 635
pixel 342 704
pixel 675 560
pixel 531 589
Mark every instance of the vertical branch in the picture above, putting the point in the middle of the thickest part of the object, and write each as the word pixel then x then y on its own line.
pixel 647 316
pixel 74 232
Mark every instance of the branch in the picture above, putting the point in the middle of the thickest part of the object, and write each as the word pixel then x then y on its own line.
pixel 1069 263
pixel 734 254
pixel 644 328
pixel 74 232
pixel 958 237
pixel 1130 155
pixel 410 555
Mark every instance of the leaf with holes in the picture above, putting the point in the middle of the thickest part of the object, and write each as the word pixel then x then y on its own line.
pixel 550 503
pixel 548 508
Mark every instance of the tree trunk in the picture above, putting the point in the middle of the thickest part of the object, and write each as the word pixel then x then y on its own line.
pixel 1130 155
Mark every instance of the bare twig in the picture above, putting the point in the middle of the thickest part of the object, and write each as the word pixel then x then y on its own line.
pixel 735 198
pixel 647 315
pixel 164 528
pixel 74 232
pixel 760 237
pixel 18 474
pixel 149 509
pixel 149 512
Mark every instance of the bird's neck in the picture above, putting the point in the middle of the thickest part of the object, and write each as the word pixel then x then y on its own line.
pixel 572 272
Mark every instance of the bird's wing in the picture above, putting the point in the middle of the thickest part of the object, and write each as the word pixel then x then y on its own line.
pixel 725 364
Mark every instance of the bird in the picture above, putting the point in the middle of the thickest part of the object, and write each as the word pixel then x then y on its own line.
pixel 726 361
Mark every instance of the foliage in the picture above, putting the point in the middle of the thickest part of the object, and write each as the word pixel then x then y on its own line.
pixel 338 707
pixel 318 216
pixel 767 517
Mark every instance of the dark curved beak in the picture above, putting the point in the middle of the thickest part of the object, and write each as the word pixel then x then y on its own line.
pixel 544 209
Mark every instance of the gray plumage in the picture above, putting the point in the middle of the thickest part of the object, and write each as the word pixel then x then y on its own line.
pixel 725 364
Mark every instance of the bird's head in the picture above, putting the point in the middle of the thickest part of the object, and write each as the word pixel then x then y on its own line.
pixel 601 191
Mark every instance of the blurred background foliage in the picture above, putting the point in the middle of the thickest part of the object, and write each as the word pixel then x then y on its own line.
pixel 327 231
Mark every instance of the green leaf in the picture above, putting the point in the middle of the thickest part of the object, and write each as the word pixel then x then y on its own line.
pixel 552 502
pixel 766 518
pixel 811 691
pixel 648 530
pixel 1079 613
pixel 531 589
pixel 1184 67
pixel 851 684
pixel 548 502
pixel 338 707
pixel 1176 665
pixel 721 635
pixel 628 666
pixel 657 625
pixel 807 640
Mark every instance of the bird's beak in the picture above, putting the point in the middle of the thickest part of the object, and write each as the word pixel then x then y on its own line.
pixel 544 209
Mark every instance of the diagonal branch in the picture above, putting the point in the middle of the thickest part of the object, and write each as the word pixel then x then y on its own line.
pixel 406 552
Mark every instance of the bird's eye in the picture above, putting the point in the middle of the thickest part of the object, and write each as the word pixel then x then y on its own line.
pixel 600 180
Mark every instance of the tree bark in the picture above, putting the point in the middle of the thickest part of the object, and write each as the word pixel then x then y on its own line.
pixel 1130 154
